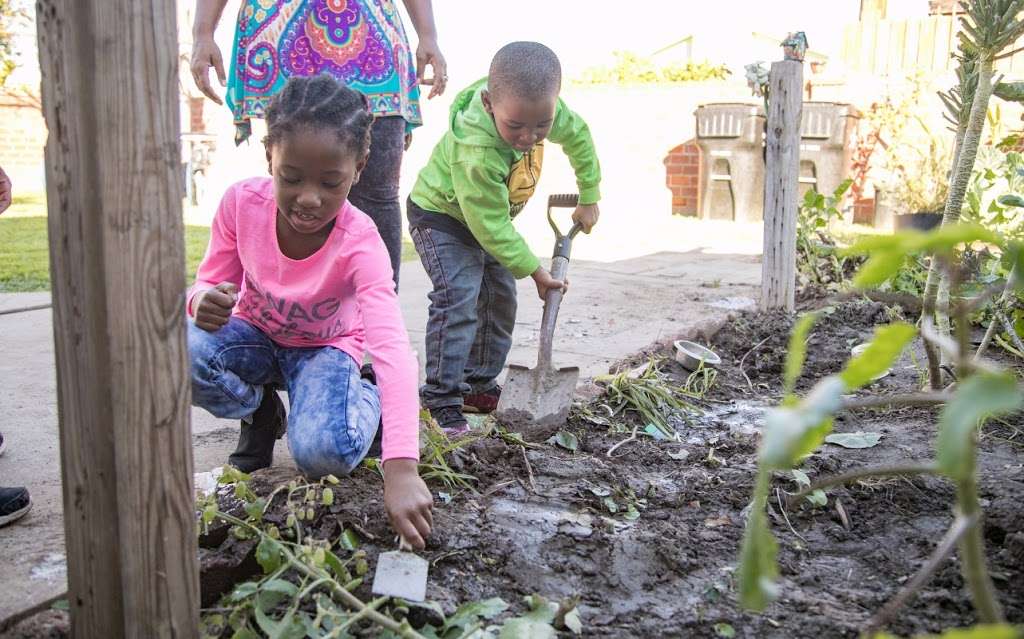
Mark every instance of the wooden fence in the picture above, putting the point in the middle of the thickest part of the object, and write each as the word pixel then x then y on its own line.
pixel 903 47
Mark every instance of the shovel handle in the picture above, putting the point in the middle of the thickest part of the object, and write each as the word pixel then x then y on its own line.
pixel 559 269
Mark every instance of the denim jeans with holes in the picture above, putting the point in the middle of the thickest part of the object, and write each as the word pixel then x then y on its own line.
pixel 472 314
pixel 334 414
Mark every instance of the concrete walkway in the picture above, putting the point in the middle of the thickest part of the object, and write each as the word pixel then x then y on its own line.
pixel 613 310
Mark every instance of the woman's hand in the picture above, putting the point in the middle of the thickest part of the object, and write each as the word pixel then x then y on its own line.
pixel 206 54
pixel 428 53
pixel 212 307
pixel 407 501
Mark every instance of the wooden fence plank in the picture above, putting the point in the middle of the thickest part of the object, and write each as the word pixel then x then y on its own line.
pixel 781 185
pixel 113 173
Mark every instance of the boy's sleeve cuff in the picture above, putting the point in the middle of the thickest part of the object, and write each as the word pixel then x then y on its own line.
pixel 590 194
pixel 525 267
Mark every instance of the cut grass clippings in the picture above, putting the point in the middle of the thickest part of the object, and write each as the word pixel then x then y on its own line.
pixel 25 261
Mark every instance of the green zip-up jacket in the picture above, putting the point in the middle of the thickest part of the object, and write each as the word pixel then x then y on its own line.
pixel 467 176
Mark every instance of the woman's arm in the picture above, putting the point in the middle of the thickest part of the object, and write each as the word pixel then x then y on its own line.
pixel 421 12
pixel 205 52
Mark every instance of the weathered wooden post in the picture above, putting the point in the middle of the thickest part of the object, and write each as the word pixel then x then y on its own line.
pixel 781 183
pixel 110 97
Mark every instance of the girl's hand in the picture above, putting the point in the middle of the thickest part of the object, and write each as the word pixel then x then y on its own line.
pixel 206 54
pixel 407 501
pixel 212 307
pixel 546 283
pixel 586 216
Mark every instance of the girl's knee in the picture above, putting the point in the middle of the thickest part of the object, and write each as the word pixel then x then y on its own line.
pixel 316 454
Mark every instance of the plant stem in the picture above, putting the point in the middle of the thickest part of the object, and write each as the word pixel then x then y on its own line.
pixel 863 473
pixel 402 629
pixel 965 158
pixel 949 541
pixel 1011 283
pixel 886 401
pixel 972 553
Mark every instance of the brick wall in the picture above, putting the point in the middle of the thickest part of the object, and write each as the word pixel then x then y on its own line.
pixel 22 138
pixel 682 177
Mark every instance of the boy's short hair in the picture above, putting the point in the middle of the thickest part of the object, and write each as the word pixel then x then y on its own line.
pixel 527 70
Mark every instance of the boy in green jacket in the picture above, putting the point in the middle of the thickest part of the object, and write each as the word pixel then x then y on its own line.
pixel 479 177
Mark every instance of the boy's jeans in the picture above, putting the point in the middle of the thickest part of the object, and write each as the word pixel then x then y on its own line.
pixel 472 314
pixel 334 413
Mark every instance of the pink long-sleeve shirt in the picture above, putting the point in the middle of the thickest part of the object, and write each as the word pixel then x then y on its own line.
pixel 342 296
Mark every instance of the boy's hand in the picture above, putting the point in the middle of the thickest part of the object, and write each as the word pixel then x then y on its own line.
pixel 407 501
pixel 586 216
pixel 546 283
pixel 5 191
pixel 212 307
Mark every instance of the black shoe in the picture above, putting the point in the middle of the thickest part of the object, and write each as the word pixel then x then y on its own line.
pixel 366 372
pixel 14 504
pixel 256 440
pixel 451 420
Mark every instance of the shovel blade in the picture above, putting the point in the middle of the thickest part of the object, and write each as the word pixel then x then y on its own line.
pixel 536 401
pixel 401 574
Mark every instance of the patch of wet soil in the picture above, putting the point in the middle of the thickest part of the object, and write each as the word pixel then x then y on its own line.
pixel 540 522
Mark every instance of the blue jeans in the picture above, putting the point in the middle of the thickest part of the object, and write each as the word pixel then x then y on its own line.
pixel 472 314
pixel 334 413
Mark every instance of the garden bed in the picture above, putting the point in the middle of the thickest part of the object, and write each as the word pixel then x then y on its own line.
pixel 648 539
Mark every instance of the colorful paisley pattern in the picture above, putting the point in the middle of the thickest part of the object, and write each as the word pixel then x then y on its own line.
pixel 360 42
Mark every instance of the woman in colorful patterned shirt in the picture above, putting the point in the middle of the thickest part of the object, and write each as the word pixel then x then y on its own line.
pixel 363 44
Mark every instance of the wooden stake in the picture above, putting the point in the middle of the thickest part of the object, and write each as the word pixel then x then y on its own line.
pixel 782 173
pixel 114 189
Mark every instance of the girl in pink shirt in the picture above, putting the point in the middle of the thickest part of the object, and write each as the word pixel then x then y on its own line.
pixel 295 285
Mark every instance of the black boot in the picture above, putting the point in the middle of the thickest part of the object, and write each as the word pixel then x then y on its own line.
pixel 366 372
pixel 256 440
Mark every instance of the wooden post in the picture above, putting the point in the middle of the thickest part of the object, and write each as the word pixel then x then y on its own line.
pixel 781 183
pixel 113 179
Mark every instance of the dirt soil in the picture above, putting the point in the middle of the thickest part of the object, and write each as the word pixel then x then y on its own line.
pixel 539 521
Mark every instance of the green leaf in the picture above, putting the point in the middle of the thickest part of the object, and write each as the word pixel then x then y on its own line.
pixel 978 398
pixel 469 613
pixel 654 432
pixel 797 352
pixel 860 439
pixel 878 357
pixel 567 441
pixel 1011 199
pixel 724 630
pixel 244 591
pixel 790 433
pixel 524 628
pixel 289 627
pixel 879 268
pixel 268 554
pixel 348 539
pixel 573 621
pixel 244 633
pixel 818 498
pixel 888 252
pixel 801 478
pixel 274 592
pixel 535 624
pixel 758 567
pixel 1009 91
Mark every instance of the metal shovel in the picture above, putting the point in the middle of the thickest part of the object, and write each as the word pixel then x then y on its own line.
pixel 535 401
pixel 401 573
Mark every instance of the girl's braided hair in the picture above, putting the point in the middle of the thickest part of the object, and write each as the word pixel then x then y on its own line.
pixel 320 102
